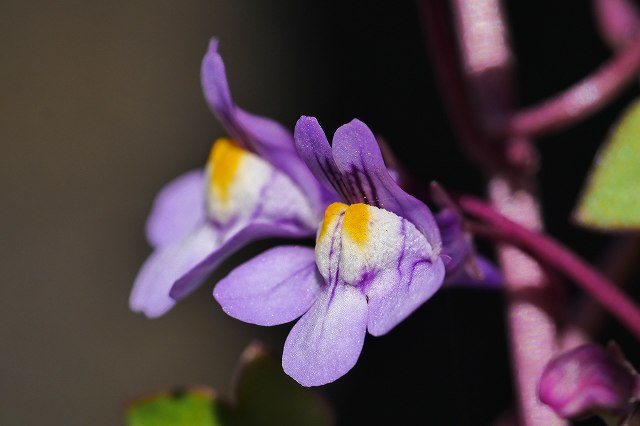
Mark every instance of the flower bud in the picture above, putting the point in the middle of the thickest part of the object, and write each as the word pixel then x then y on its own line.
pixel 586 380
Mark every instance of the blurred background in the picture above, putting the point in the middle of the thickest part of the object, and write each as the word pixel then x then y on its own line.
pixel 101 106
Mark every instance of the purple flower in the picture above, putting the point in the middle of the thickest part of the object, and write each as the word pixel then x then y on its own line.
pixel 254 186
pixel 376 260
pixel 589 379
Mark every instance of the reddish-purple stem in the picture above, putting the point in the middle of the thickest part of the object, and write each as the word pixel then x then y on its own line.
pixel 444 51
pixel 477 86
pixel 618 265
pixel 554 254
pixel 580 100
pixel 618 21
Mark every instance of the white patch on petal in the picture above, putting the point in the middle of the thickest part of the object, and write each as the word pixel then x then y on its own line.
pixel 359 242
pixel 242 187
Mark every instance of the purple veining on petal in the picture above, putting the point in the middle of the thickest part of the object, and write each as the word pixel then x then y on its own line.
pixel 355 148
pixel 365 280
pixel 391 299
pixel 403 232
pixel 367 194
pixel 337 183
pixel 413 268
pixel 313 147
pixel 257 211
pixel 334 278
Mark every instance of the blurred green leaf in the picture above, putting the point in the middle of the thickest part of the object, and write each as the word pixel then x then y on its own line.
pixel 191 407
pixel 263 395
pixel 266 395
pixel 611 197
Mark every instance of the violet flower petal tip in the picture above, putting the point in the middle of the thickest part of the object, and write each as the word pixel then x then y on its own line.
pixel 215 86
pixel 326 342
pixel 166 265
pixel 308 136
pixel 213 46
pixel 273 288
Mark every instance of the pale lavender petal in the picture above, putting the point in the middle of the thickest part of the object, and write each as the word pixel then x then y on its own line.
pixel 265 137
pixel 273 288
pixel 190 281
pixel 395 294
pixel 484 275
pixel 215 86
pixel 256 133
pixel 150 293
pixel 313 146
pixel 275 144
pixel 326 342
pixel 456 244
pixel 357 155
pixel 177 209
pixel 264 134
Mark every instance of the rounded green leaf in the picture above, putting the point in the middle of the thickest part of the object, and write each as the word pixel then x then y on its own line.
pixel 611 197
pixel 193 407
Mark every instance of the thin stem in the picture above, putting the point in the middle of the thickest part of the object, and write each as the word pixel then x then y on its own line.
pixel 618 21
pixel 478 90
pixel 580 100
pixel 531 300
pixel 620 261
pixel 559 257
pixel 447 67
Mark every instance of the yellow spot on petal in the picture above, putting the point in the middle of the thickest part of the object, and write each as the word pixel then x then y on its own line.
pixel 333 210
pixel 224 161
pixel 356 223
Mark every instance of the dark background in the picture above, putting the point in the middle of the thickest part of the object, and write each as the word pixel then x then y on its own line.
pixel 101 106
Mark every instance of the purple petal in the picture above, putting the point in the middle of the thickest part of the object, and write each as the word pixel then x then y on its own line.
pixel 215 86
pixel 177 209
pixel 259 134
pixel 358 157
pixel 313 146
pixel 150 293
pixel 273 288
pixel 190 281
pixel 275 144
pixel 265 137
pixel 395 294
pixel 456 245
pixel 585 380
pixel 486 276
pixel 326 342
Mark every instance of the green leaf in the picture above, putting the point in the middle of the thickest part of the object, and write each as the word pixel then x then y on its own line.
pixel 192 407
pixel 265 395
pixel 611 197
